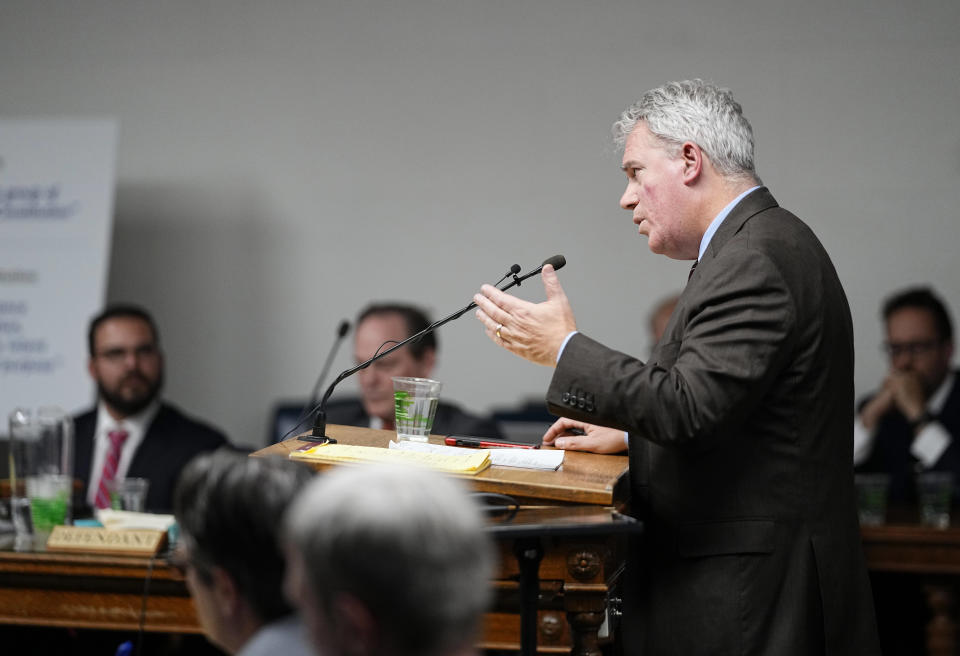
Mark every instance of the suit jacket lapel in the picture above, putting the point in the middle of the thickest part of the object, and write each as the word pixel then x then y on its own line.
pixel 83 447
pixel 755 202
pixel 150 451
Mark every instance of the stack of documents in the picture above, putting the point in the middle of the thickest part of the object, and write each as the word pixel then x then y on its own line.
pixel 471 462
pixel 125 519
pixel 548 459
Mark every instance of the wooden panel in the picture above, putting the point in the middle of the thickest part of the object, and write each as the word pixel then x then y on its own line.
pixel 912 548
pixel 101 592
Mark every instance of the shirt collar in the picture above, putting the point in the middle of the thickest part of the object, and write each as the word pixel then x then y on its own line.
pixel 939 398
pixel 137 423
pixel 712 228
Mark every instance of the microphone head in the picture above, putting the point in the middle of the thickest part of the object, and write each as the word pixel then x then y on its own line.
pixel 557 261
pixel 343 328
pixel 515 269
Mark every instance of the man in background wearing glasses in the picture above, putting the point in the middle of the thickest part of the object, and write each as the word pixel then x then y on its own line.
pixel 912 422
pixel 131 433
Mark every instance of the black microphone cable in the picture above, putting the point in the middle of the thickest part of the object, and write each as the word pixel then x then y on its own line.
pixel 320 425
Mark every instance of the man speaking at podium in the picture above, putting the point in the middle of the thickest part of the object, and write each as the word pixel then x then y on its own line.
pixel 739 424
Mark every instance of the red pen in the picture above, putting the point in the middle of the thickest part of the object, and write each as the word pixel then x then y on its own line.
pixel 486 443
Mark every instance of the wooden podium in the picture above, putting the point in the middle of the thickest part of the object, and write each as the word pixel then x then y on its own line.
pixel 572 536
pixel 584 478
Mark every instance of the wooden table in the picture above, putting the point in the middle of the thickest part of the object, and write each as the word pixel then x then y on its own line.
pixel 577 573
pixel 582 550
pixel 928 552
pixel 89 591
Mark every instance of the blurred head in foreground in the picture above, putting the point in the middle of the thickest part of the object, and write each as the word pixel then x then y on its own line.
pixel 388 560
pixel 230 509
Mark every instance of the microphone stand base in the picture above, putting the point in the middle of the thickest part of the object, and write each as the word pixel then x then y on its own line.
pixel 320 439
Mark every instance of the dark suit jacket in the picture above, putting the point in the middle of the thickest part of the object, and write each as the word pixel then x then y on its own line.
pixel 740 449
pixel 891 449
pixel 170 442
pixel 450 419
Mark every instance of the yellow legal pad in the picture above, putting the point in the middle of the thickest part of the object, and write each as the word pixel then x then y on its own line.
pixel 469 463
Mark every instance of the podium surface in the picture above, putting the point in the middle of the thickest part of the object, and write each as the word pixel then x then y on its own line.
pixel 583 478
pixel 558 600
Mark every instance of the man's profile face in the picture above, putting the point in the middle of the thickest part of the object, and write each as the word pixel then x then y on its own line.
pixel 205 600
pixel 376 381
pixel 915 346
pixel 656 195
pixel 126 365
pixel 299 592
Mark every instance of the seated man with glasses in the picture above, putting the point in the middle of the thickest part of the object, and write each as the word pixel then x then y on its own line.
pixel 912 422
pixel 380 326
pixel 131 432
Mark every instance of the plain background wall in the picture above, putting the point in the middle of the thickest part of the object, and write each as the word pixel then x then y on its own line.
pixel 283 163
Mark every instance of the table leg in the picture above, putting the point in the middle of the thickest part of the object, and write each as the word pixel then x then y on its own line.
pixel 584 628
pixel 529 553
pixel 942 629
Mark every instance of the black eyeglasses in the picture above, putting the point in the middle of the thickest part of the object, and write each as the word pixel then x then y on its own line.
pixel 896 349
pixel 116 355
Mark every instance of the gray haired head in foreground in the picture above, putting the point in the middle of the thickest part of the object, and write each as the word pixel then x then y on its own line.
pixel 697 111
pixel 407 542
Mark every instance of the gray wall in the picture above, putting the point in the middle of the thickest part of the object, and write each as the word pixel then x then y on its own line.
pixel 282 163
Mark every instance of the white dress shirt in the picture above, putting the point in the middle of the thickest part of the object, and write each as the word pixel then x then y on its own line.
pixel 928 445
pixel 136 427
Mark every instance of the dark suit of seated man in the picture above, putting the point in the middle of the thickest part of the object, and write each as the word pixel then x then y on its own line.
pixel 912 422
pixel 376 325
pixel 131 433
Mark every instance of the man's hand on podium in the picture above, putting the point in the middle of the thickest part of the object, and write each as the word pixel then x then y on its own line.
pixel 573 435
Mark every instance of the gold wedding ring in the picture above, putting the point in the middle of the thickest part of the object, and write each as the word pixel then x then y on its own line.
pixel 499 326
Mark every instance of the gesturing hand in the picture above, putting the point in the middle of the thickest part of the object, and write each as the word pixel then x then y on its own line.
pixel 534 331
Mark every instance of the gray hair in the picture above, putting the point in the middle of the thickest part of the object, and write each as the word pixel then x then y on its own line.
pixel 406 542
pixel 697 111
pixel 229 507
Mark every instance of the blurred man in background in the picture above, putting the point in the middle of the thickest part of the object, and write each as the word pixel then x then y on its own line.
pixel 131 432
pixel 912 422
pixel 378 327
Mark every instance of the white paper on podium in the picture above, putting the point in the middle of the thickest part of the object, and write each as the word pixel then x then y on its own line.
pixel 546 459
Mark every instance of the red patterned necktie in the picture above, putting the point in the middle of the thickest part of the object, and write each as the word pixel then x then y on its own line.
pixel 109 473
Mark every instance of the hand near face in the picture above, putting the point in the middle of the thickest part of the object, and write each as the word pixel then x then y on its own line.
pixel 595 439
pixel 534 331
pixel 906 389
pixel 877 407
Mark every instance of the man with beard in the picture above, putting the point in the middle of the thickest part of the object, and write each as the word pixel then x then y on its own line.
pixel 131 433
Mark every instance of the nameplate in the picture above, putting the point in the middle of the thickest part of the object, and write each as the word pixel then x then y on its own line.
pixel 121 542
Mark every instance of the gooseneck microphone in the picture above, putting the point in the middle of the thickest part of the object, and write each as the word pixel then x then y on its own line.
pixel 342 331
pixel 318 434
